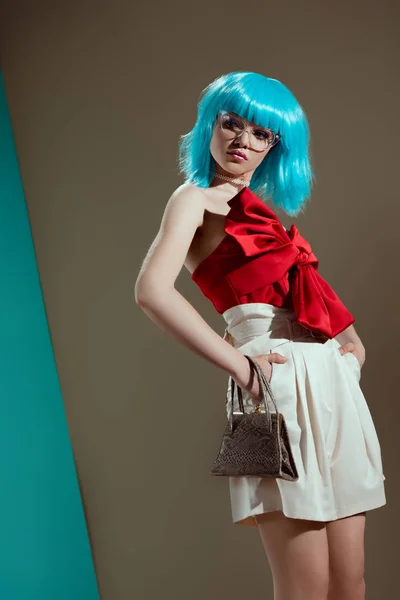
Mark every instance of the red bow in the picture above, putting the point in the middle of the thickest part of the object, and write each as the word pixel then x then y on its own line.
pixel 272 252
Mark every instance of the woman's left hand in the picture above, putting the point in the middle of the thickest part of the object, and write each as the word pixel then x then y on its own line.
pixel 356 348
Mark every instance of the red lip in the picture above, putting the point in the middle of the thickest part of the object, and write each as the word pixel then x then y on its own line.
pixel 238 152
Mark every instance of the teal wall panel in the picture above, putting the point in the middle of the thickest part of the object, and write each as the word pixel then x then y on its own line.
pixel 45 552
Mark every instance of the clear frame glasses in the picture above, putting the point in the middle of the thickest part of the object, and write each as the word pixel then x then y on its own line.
pixel 233 126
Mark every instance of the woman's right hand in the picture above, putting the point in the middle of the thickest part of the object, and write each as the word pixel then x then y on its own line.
pixel 265 361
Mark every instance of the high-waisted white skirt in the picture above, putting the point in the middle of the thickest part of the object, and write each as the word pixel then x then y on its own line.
pixel 332 435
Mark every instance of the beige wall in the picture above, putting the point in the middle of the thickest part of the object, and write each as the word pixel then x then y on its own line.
pixel 99 93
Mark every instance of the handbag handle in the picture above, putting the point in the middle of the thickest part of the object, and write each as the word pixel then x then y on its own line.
pixel 265 388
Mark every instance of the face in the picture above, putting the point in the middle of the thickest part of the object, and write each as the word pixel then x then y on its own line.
pixel 224 143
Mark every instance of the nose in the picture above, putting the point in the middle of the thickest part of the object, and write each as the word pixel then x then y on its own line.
pixel 242 139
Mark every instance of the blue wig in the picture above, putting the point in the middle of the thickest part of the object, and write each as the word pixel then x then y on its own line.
pixel 285 173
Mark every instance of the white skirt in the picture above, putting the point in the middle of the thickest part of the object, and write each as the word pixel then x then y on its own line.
pixel 332 435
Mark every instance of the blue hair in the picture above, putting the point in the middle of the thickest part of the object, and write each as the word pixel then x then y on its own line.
pixel 285 173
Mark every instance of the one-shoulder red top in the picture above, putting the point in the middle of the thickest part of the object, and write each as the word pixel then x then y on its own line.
pixel 259 261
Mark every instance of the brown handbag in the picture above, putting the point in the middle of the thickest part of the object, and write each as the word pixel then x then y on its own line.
pixel 255 444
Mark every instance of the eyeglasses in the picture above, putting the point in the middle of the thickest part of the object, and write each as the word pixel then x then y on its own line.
pixel 233 126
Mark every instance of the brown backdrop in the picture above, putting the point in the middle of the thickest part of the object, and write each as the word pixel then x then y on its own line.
pixel 99 93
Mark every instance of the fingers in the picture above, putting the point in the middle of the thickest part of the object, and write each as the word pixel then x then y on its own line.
pixel 346 347
pixel 276 357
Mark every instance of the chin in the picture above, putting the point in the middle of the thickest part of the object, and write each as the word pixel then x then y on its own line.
pixel 232 166
pixel 236 170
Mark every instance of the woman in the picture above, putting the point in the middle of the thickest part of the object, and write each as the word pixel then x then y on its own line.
pixel 249 143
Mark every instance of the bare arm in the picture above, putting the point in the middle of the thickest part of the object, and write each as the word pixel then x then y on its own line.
pixel 348 335
pixel 155 289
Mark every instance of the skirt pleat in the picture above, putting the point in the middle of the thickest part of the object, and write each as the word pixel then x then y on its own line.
pixel 331 431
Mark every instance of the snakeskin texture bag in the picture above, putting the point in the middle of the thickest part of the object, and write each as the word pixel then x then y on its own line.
pixel 255 444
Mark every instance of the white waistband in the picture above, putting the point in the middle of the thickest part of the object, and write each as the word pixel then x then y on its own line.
pixel 250 320
pixel 242 312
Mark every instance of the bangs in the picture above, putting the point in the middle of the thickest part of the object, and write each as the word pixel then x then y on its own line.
pixel 264 101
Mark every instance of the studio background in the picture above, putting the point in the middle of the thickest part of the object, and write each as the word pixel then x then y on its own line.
pixel 98 94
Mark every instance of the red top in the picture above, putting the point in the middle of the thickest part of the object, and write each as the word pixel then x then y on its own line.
pixel 259 261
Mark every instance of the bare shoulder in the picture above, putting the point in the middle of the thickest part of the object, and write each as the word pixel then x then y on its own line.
pixel 198 199
pixel 187 197
pixel 185 208
pixel 188 189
